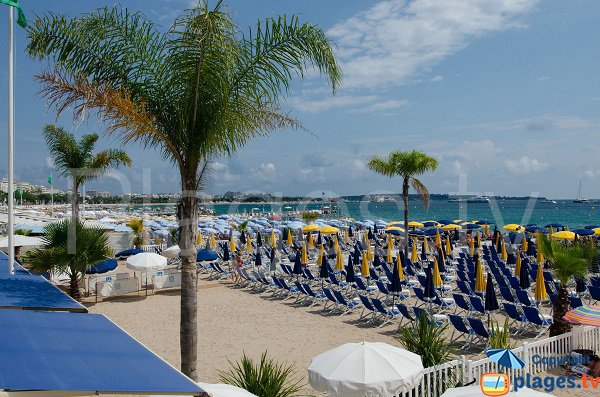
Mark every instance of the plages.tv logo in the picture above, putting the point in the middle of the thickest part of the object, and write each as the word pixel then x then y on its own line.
pixel 493 384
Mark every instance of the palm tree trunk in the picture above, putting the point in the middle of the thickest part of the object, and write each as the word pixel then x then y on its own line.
pixel 405 198
pixel 188 236
pixel 74 291
pixel 561 307
pixel 75 200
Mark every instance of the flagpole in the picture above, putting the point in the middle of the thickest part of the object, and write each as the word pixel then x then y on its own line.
pixel 51 196
pixel 11 110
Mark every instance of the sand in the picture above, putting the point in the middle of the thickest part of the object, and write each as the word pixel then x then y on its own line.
pixel 232 321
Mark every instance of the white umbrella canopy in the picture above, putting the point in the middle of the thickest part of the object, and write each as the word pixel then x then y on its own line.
pixel 220 390
pixel 475 391
pixel 171 252
pixel 22 241
pixel 146 261
pixel 365 369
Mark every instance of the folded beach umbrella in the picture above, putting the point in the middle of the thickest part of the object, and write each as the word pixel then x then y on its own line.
pixel 477 240
pixel 471 247
pixel 199 241
pixel 584 315
pixel 580 285
pixel 540 256
pixel 506 358
pixel 414 257
pixel 350 271
pixel 304 254
pixel 370 234
pixel 389 254
pixel 297 270
pixel 376 261
pixel 441 260
pixel 448 246
pixel 311 241
pixel 395 286
pixel 375 231
pixel 339 260
pixel 524 281
pixel 324 271
pixel 257 259
pixel 319 239
pixel 423 249
pixel 429 292
pixel 243 237
pixel 479 277
pixel 437 279
pixel 364 268
pixel 503 251
pixel 273 239
pixel 491 301
pixel 226 256
pixel 541 295
pixel 518 265
pixel 350 232
pixel 321 254
pixel 524 244
pixel 399 266
pixel 248 246
pixel 438 238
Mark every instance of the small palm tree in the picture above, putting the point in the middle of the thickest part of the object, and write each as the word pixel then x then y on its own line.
pixel 267 378
pixel 76 160
pixel 137 227
pixel 407 165
pixel 568 261
pixel 198 90
pixel 91 247
pixel 425 338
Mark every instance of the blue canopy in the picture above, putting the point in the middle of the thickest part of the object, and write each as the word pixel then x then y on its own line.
pixel 395 232
pixel 591 226
pixel 536 229
pixel 555 225
pixel 206 255
pixel 506 358
pixel 43 351
pixel 444 221
pixel 17 269
pixel 105 266
pixel 129 252
pixel 584 232
pixel 21 291
pixel 429 223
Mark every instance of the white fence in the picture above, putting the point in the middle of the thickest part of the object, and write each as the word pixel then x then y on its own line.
pixel 536 356
pixel 153 247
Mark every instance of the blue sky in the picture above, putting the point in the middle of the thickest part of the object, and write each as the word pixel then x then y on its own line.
pixel 505 94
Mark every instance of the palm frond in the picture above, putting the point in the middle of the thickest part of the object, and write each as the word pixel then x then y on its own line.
pixel 421 190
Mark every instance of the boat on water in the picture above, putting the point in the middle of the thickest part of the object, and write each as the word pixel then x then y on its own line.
pixel 580 199
pixel 471 199
pixel 548 201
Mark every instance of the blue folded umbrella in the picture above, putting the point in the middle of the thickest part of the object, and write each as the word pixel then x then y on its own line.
pixel 206 255
pixel 506 358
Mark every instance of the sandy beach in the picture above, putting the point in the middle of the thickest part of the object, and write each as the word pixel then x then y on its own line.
pixel 232 321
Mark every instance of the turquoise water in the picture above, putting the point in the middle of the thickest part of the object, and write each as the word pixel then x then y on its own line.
pixel 498 211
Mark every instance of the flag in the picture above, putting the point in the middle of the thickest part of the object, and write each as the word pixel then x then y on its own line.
pixel 50 180
pixel 21 20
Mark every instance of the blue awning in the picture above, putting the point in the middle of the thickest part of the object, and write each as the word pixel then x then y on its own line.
pixel 20 291
pixel 80 352
pixel 17 269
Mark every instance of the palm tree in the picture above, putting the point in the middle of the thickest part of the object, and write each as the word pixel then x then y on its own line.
pixel 200 90
pixel 76 160
pixel 568 261
pixel 137 227
pixel 407 165
pixel 91 247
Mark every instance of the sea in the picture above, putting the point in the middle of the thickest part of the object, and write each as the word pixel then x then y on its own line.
pixel 497 211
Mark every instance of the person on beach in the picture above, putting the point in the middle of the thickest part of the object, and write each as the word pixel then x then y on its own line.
pixel 237 265
pixel 594 367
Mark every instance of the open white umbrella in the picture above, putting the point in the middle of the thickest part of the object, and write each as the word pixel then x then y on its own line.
pixel 146 261
pixel 365 369
pixel 171 252
pixel 475 391
pixel 22 241
pixel 224 390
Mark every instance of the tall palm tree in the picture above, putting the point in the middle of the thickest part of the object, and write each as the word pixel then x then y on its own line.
pixel 55 255
pixel 407 165
pixel 76 160
pixel 202 89
pixel 568 261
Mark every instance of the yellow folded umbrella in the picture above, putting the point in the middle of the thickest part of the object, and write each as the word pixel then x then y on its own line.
pixel 364 268
pixel 480 280
pixel 336 244
pixel 486 229
pixel 541 295
pixel 199 241
pixel 346 236
pixel 273 239
pixel 518 266
pixel 414 256
pixel 311 242
pixel 248 245
pixel 426 245
pixel 369 253
pixel 232 244
pixel 212 241
pixel 540 256
pixel 339 260
pixel 478 239
pixel 504 254
pixel 471 248
pixel 304 256
pixel 448 246
pixel 524 244
pixel 438 238
pixel 388 255
pixel 400 269
pixel 320 256
pixel 437 279
pixel 289 238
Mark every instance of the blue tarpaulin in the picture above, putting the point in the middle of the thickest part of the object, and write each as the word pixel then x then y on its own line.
pixel 35 293
pixel 17 269
pixel 80 352
pixel 105 266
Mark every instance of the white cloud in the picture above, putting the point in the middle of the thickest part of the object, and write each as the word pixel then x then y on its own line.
pixel 396 39
pixel 542 78
pixel 218 166
pixel 525 165
pixel 591 173
pixel 358 165
pixel 49 162
pixel 307 105
pixel 385 106
pixel 439 77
